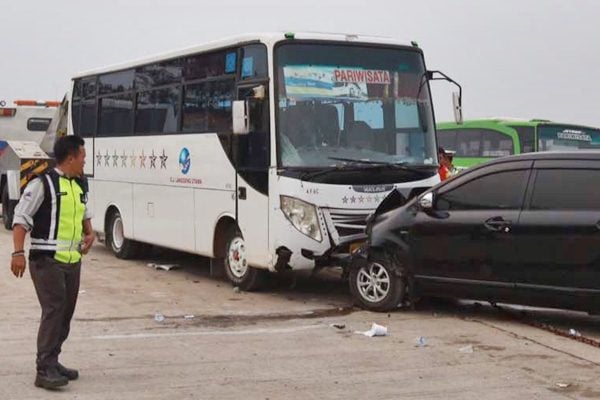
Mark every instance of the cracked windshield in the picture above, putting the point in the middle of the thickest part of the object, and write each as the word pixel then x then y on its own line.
pixel 341 104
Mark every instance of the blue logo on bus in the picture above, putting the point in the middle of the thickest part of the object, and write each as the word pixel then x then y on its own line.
pixel 184 160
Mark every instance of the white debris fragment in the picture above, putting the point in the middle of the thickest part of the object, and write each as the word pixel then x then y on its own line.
pixel 575 333
pixel 563 385
pixel 376 330
pixel 421 341
pixel 189 316
pixel 466 349
pixel 82 291
pixel 158 317
pixel 164 267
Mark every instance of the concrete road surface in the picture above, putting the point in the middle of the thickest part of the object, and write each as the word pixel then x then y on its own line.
pixel 216 343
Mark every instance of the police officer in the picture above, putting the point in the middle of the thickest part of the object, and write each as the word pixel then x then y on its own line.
pixel 53 210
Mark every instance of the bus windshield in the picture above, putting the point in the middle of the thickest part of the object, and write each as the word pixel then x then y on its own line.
pixel 565 137
pixel 340 102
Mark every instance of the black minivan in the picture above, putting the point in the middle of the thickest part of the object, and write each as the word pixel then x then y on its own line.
pixel 522 229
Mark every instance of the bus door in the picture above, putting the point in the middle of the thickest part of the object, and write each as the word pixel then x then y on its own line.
pixel 252 158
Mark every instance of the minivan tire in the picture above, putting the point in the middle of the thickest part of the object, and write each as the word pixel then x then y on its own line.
pixel 376 285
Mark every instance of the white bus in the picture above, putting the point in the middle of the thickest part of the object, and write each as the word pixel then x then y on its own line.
pixel 265 151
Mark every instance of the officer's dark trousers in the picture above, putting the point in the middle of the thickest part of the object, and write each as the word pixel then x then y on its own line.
pixel 57 286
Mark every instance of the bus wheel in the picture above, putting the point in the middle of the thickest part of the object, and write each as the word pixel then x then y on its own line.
pixel 8 208
pixel 376 286
pixel 116 241
pixel 237 269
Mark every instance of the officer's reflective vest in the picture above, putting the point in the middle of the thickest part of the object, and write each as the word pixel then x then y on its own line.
pixel 58 223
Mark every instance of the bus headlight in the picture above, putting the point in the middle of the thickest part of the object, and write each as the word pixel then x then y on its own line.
pixel 302 215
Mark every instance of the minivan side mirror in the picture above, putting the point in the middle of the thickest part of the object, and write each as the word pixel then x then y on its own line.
pixel 426 202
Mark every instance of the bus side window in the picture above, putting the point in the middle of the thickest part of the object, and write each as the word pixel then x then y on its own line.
pixel 496 144
pixel 447 139
pixel 526 138
pixel 468 143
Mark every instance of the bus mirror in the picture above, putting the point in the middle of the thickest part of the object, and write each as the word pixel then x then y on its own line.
pixel 258 92
pixel 457 105
pixel 241 122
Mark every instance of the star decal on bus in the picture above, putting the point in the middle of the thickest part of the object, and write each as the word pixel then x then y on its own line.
pixel 99 159
pixel 142 160
pixel 107 159
pixel 163 160
pixel 115 158
pixel 132 158
pixel 124 160
pixel 153 158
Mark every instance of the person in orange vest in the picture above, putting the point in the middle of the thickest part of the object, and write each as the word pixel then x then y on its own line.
pixel 444 169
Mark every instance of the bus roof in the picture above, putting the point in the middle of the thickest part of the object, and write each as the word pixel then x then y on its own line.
pixel 504 122
pixel 264 37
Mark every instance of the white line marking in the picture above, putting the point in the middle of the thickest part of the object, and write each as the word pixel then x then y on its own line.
pixel 210 333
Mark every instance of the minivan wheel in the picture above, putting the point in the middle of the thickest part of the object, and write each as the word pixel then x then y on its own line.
pixel 237 269
pixel 376 285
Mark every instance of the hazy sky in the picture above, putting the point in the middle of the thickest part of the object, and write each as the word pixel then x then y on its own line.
pixel 514 58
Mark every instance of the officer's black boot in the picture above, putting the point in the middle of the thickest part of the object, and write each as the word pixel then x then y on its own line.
pixel 69 373
pixel 50 378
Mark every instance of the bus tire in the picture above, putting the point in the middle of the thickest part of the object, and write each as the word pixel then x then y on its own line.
pixel 115 238
pixel 238 271
pixel 8 208
pixel 376 285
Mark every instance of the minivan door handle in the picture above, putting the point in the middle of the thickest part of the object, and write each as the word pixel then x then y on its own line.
pixel 497 224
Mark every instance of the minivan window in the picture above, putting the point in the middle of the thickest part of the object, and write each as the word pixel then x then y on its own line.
pixel 566 189
pixel 501 190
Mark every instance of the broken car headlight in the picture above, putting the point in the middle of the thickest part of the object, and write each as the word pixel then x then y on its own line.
pixel 302 215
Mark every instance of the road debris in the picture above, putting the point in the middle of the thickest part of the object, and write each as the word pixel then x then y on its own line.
pixel 376 330
pixel 158 317
pixel 421 341
pixel 338 326
pixel 467 349
pixel 575 333
pixel 164 267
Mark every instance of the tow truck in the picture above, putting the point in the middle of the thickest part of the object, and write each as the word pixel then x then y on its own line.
pixel 28 131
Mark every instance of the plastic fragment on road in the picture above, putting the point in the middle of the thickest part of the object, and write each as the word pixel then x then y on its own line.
pixel 158 317
pixel 575 333
pixel 421 341
pixel 189 316
pixel 164 267
pixel 563 385
pixel 466 349
pixel 376 330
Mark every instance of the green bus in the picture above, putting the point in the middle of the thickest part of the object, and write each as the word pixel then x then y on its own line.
pixel 477 141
